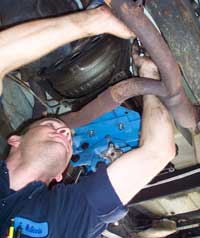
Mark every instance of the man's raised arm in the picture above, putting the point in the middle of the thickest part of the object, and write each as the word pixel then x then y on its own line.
pixel 133 170
pixel 27 42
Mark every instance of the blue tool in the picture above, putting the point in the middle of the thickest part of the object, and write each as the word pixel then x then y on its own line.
pixel 106 138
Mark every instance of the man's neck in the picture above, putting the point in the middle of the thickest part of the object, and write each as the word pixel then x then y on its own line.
pixel 21 175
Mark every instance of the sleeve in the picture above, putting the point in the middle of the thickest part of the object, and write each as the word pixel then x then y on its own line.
pixel 89 205
pixel 102 197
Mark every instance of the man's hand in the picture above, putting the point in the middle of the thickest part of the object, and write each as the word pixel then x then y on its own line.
pixel 27 42
pixel 147 68
pixel 110 24
pixel 130 173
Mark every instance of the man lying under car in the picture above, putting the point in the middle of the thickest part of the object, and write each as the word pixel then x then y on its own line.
pixel 41 154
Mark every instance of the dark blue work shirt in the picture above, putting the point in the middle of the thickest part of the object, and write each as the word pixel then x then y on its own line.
pixel 67 211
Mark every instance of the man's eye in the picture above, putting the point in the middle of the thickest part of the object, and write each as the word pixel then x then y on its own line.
pixel 50 125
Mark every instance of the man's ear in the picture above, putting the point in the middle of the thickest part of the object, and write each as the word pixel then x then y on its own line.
pixel 14 141
pixel 59 178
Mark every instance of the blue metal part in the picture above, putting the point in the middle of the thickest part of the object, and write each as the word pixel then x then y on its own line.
pixel 105 138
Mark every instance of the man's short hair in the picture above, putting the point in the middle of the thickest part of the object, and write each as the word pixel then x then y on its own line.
pixel 25 126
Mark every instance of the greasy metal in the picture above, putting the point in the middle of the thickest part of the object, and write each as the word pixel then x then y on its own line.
pixel 102 104
pixel 176 186
pixel 112 153
pixel 132 14
pixel 137 86
pixel 16 12
pixel 97 64
pixel 170 89
pixel 113 97
pixel 180 27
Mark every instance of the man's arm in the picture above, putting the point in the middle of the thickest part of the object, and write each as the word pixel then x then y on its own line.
pixel 27 42
pixel 133 170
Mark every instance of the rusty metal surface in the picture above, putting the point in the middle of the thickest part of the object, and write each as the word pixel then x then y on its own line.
pixel 137 86
pixel 178 24
pixel 102 104
pixel 112 97
pixel 170 89
pixel 176 101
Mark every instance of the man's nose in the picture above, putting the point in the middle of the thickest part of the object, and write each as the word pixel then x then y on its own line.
pixel 64 131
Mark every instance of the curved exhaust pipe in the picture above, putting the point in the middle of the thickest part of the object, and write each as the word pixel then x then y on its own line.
pixel 169 89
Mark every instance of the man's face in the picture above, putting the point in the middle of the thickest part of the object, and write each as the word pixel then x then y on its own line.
pixel 48 140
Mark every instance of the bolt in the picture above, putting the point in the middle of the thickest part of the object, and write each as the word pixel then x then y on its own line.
pixel 121 126
pixel 91 133
pixel 111 145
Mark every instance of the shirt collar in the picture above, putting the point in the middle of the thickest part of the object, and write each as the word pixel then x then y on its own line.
pixel 5 190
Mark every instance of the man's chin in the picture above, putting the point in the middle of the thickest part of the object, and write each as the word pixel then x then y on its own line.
pixel 63 143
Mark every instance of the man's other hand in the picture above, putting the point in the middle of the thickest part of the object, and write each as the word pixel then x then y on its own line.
pixel 147 68
pixel 108 23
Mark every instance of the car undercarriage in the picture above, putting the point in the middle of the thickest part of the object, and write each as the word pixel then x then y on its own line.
pixel 97 76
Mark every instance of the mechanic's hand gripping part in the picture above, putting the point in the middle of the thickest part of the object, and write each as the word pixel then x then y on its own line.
pixel 37 38
pixel 133 170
